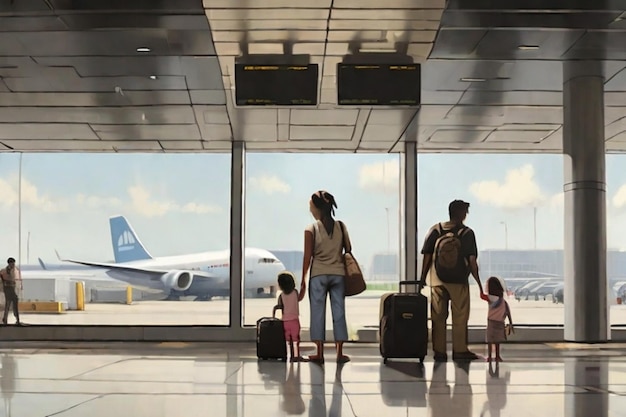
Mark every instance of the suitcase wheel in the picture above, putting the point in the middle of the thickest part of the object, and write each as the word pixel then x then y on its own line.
pixel 385 361
pixel 421 360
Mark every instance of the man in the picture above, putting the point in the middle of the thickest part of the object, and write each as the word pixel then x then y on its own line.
pixel 450 254
pixel 10 277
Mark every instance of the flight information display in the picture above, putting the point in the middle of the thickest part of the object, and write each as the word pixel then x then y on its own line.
pixel 378 84
pixel 276 85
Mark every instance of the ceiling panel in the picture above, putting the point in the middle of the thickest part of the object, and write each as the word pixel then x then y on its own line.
pixel 458 136
pixel 520 135
pixel 270 4
pixel 268 24
pixel 215 132
pixel 71 72
pixel 320 133
pixel 335 117
pixel 46 131
pixel 286 13
pixel 147 132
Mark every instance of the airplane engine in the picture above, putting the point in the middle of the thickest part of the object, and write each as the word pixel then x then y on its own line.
pixel 177 280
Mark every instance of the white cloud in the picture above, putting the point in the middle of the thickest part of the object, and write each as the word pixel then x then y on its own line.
pixel 619 199
pixel 380 176
pixel 9 192
pixel 199 208
pixel 94 201
pixel 142 203
pixel 557 201
pixel 519 189
pixel 269 184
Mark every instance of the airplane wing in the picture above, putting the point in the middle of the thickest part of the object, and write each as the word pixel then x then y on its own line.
pixel 119 267
pixel 154 273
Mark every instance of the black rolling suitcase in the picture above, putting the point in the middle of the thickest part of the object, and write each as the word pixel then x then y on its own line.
pixel 270 339
pixel 404 323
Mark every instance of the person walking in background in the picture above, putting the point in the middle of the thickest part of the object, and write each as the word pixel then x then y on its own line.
pixel 11 278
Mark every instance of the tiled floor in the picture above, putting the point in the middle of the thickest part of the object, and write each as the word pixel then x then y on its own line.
pixel 188 380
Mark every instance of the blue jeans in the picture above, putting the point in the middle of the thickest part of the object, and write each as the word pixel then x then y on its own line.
pixel 319 286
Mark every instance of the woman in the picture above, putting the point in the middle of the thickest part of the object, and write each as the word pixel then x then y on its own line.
pixel 323 255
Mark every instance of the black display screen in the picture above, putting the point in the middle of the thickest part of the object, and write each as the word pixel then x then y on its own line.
pixel 378 84
pixel 276 85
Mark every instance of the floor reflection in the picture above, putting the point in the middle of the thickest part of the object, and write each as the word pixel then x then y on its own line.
pixel 8 374
pixel 593 377
pixel 292 402
pixel 496 385
pixel 442 400
pixel 403 393
pixel 317 405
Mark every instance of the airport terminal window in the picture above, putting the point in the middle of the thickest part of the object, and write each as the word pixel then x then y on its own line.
pixel 80 207
pixel 278 189
pixel 10 208
pixel 616 241
pixel 511 197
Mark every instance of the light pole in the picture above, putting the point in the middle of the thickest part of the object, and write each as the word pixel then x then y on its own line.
pixel 388 236
pixel 506 236
pixel 535 227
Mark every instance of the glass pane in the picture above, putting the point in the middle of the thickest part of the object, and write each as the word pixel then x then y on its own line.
pixel 366 188
pixel 516 212
pixel 82 206
pixel 615 232
pixel 10 213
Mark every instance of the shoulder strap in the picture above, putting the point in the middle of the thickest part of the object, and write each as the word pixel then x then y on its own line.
pixel 343 238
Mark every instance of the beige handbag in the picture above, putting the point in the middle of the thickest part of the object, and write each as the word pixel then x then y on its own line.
pixel 353 281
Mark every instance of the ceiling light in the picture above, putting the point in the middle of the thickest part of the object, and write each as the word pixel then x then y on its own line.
pixel 143 49
pixel 153 77
pixel 528 47
pixel 473 80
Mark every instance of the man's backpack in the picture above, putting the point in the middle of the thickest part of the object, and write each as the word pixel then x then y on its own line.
pixel 450 264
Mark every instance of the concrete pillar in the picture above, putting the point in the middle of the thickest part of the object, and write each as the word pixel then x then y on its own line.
pixel 410 210
pixel 585 293
pixel 237 218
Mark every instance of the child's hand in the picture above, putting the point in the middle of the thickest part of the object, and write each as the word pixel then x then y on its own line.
pixel 484 296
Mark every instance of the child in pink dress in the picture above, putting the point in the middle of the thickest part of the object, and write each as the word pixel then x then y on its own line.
pixel 288 303
pixel 498 311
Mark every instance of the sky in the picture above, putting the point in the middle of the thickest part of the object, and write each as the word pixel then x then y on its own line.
pixel 179 203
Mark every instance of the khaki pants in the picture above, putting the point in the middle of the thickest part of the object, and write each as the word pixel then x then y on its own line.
pixel 458 296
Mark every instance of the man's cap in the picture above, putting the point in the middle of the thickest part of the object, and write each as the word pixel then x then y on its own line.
pixel 458 205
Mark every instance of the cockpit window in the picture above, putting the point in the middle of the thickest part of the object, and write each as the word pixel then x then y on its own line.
pixel 267 260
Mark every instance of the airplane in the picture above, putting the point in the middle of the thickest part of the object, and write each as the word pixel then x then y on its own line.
pixel 204 275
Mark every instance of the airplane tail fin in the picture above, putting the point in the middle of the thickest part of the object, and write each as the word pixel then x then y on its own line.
pixel 126 245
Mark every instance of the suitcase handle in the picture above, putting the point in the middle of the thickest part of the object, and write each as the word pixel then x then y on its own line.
pixel 407 283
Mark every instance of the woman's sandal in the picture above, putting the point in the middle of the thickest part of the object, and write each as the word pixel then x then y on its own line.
pixel 316 359
pixel 343 359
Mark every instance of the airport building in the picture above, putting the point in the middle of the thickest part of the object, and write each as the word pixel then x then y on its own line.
pixel 208 125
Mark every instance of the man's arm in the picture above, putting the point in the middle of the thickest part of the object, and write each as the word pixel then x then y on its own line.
pixel 426 264
pixel 474 270
pixel 428 249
